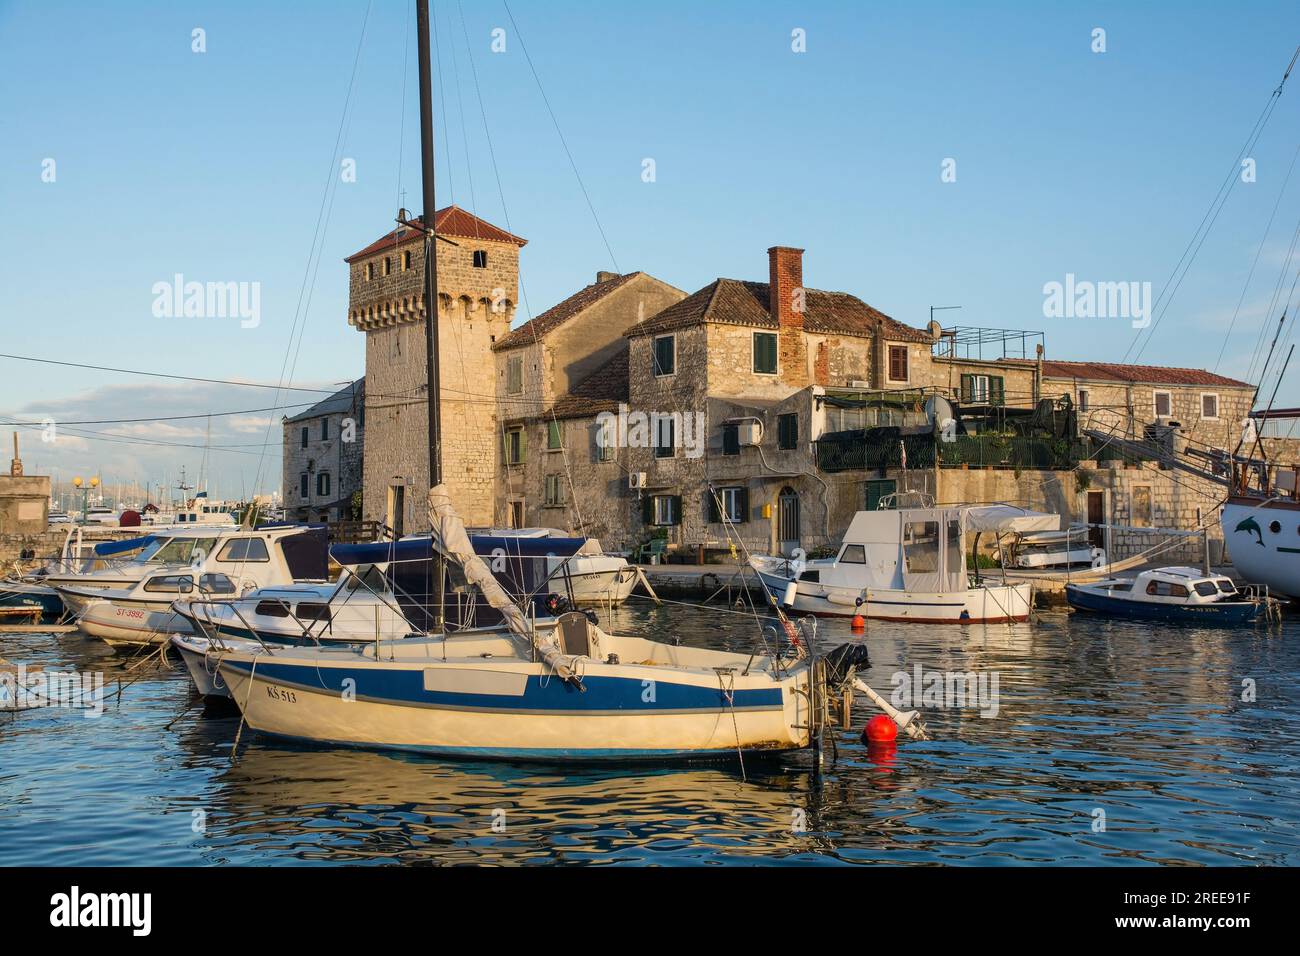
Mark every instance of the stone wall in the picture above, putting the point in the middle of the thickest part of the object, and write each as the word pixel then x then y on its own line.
pixel 342 459
pixel 24 504
pixel 476 306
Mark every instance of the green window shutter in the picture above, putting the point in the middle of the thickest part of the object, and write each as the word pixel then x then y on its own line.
pixel 553 434
pixel 995 390
pixel 967 388
pixel 523 443
pixel 744 504
pixel 711 496
pixel 648 509
pixel 677 509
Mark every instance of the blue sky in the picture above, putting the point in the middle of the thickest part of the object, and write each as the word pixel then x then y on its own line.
pixel 214 164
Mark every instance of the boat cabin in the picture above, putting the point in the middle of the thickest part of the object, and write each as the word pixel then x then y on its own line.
pixel 919 549
pixel 1176 585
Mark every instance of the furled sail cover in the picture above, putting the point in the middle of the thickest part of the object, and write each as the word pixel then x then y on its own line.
pixel 450 532
pixel 107 548
pixel 1008 518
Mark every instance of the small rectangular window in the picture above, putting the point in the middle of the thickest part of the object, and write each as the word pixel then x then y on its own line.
pixel 731 439
pixel 304 485
pixel 406 261
pixel 324 429
pixel 304 436
pixel 606 439
pixel 665 355
pixel 370 271
pixel 735 502
pixel 666 510
pixel 853 554
pixel 765 353
pixel 1083 399
pixel 323 484
pixel 787 431
pixel 1209 405
pixel 898 363
pixel 313 611
pixel 554 490
pixel 388 265
pixel 271 609
pixel 480 258
pixel 514 374
pixel 514 446
pixel 1164 404
pixel 665 436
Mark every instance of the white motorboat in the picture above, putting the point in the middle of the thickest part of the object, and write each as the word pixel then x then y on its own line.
pixel 594 577
pixel 1177 594
pixel 236 562
pixel 1056 550
pixel 908 564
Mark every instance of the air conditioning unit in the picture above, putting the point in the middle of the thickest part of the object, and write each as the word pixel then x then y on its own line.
pixel 858 383
pixel 636 479
pixel 749 432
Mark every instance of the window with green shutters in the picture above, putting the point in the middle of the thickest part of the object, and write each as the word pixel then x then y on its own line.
pixel 553 441
pixel 730 502
pixel 787 431
pixel 661 510
pixel 514 441
pixel 765 353
pixel 665 355
pixel 514 374
pixel 982 390
pixel 554 490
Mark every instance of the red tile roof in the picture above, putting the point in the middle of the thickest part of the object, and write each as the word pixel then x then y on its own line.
pixel 601 391
pixel 448 221
pixel 561 312
pixel 736 302
pixel 1137 374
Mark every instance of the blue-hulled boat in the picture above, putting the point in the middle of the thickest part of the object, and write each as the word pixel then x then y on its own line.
pixel 1175 594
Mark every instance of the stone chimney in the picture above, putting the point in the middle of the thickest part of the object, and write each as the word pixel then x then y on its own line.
pixel 16 465
pixel 786 305
pixel 605 276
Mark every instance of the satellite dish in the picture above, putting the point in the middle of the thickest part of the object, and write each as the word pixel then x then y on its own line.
pixel 935 329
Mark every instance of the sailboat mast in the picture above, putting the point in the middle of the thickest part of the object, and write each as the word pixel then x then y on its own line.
pixel 436 566
pixel 430 248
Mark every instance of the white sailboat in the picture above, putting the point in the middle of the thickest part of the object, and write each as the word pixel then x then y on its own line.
pixel 566 692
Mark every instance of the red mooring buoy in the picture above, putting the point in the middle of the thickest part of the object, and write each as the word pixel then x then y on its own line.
pixel 880 730
pixel 858 623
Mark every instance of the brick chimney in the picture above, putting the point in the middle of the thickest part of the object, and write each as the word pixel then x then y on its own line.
pixel 786 304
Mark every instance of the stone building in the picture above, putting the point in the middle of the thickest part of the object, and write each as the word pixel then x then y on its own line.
pixel 755 415
pixel 323 457
pixel 561 368
pixel 478 286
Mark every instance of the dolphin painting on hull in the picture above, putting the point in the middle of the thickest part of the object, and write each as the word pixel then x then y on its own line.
pixel 1250 525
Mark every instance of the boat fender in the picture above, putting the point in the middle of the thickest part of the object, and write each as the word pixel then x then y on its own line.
pixel 591 616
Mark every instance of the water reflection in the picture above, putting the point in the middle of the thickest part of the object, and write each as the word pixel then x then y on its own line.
pixel 1144 729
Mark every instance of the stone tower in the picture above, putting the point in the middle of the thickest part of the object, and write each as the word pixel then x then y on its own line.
pixel 478 287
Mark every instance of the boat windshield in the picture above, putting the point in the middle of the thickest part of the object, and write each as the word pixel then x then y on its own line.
pixel 183 550
pixel 1206 588
pixel 153 547
pixel 1226 586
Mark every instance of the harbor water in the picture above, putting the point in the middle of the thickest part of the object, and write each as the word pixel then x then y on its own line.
pixel 1091 742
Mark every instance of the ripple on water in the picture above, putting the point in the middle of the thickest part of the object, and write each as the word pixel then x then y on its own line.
pixel 1142 728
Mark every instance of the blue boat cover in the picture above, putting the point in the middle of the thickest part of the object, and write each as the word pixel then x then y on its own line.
pixel 421 549
pixel 105 548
